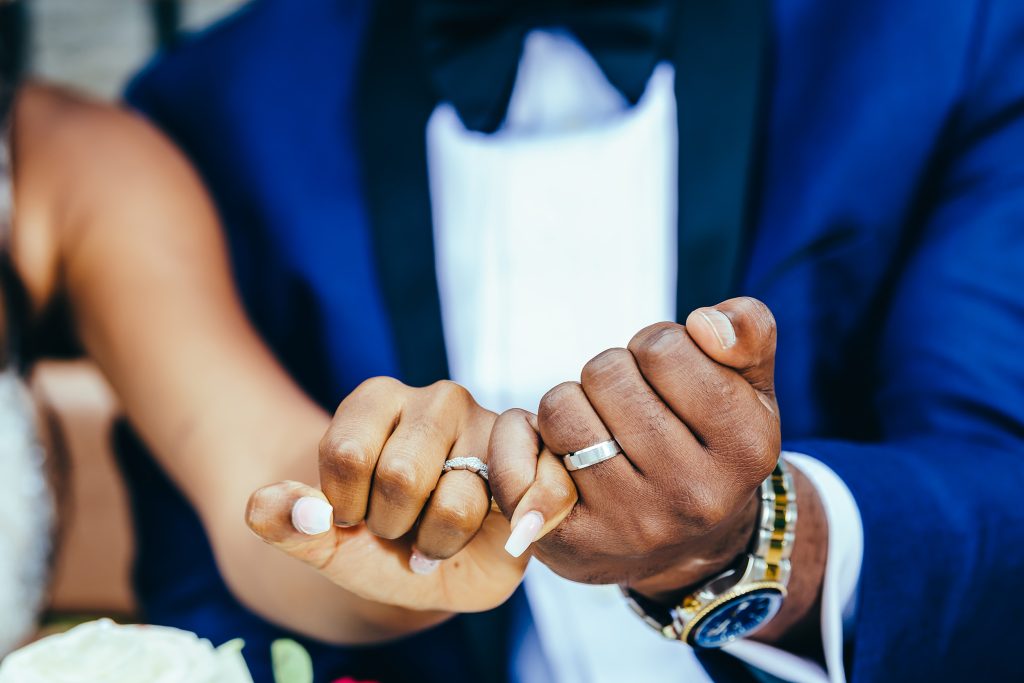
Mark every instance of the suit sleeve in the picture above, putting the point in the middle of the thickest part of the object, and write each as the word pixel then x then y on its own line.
pixel 941 494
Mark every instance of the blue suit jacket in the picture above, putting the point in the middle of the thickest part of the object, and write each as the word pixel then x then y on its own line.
pixel 888 240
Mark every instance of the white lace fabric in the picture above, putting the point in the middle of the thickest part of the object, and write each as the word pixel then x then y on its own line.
pixel 27 507
pixel 27 515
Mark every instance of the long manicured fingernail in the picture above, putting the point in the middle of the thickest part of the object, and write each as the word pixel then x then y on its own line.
pixel 311 515
pixel 420 564
pixel 721 326
pixel 524 533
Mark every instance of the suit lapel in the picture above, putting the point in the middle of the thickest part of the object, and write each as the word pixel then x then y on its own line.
pixel 719 53
pixel 394 102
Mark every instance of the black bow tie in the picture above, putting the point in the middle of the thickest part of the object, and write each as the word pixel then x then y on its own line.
pixel 473 46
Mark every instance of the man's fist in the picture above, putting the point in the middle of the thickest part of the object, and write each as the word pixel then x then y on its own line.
pixel 694 411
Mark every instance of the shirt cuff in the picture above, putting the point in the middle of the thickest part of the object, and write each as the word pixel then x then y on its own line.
pixel 839 593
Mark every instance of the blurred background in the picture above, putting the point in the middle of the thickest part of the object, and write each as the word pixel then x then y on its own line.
pixel 94 46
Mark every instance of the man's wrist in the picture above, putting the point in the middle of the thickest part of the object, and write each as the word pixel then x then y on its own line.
pixel 719 552
pixel 796 627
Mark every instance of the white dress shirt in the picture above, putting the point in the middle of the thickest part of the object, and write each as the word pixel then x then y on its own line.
pixel 555 239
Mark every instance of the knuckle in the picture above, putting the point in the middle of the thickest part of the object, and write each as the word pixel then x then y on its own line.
pixel 255 511
pixel 422 431
pixel 380 383
pixel 398 479
pixel 608 364
pixel 696 509
pixel 345 458
pixel 386 529
pixel 446 391
pixel 552 400
pixel 559 414
pixel 711 514
pixel 513 416
pixel 649 535
pixel 657 341
pixel 557 399
pixel 457 518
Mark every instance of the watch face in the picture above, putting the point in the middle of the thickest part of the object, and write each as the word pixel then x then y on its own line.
pixel 737 618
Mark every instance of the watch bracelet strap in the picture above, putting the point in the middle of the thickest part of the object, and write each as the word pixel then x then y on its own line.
pixel 768 559
pixel 773 540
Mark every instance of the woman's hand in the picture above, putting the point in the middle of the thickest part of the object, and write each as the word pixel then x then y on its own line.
pixel 386 525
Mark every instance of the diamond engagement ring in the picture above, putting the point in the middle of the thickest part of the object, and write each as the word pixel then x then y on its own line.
pixel 471 464
pixel 606 450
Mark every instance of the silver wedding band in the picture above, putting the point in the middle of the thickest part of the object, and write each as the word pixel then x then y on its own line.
pixel 470 464
pixel 606 450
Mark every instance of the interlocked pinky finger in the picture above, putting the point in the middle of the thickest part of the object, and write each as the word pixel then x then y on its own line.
pixel 547 502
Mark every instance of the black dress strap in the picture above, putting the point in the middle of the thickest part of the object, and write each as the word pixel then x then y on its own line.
pixel 12 294
pixel 15 311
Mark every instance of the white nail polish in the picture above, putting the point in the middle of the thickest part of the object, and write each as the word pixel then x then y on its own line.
pixel 524 533
pixel 311 515
pixel 721 326
pixel 420 564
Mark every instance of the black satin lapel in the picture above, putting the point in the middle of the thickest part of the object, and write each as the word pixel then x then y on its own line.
pixel 394 101
pixel 721 62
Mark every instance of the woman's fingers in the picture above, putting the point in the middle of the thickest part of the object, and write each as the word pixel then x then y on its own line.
pixel 530 484
pixel 459 504
pixel 454 515
pixel 512 457
pixel 547 502
pixel 352 445
pixel 407 473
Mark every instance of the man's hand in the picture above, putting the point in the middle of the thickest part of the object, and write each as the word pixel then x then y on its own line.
pixel 386 517
pixel 694 411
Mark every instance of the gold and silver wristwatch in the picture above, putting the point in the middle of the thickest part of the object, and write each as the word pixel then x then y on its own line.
pixel 742 599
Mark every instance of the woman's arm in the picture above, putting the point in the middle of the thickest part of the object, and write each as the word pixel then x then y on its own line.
pixel 110 214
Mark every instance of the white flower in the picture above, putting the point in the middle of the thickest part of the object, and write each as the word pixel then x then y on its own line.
pixel 104 652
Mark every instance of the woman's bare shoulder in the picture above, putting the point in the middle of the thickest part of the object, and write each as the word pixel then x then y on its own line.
pixel 91 141
pixel 85 169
